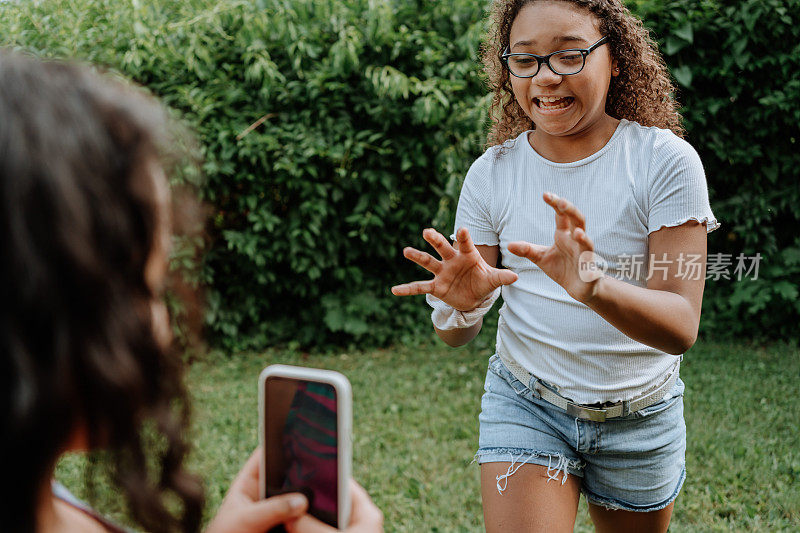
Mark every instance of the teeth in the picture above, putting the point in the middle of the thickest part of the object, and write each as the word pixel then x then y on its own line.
pixel 554 102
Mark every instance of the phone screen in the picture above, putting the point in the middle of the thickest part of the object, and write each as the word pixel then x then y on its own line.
pixel 301 445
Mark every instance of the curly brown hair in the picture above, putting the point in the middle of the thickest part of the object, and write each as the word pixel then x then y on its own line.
pixel 79 342
pixel 642 92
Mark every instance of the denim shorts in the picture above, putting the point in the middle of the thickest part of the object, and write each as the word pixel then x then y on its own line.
pixel 634 463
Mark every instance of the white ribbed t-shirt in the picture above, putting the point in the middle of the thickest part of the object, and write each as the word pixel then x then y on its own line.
pixel 643 179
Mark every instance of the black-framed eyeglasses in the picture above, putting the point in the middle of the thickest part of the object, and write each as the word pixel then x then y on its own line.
pixel 562 62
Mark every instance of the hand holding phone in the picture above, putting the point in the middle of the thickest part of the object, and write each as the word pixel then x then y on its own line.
pixel 242 511
pixel 365 517
pixel 305 424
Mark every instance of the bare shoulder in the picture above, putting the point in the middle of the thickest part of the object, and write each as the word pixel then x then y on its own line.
pixel 69 518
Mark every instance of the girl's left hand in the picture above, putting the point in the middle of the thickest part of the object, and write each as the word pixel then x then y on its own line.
pixel 567 261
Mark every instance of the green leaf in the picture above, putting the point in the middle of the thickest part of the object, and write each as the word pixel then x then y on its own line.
pixel 786 289
pixel 683 75
pixel 791 256
pixel 673 45
pixel 685 32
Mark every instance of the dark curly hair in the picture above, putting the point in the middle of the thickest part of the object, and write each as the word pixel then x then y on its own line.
pixel 79 345
pixel 642 92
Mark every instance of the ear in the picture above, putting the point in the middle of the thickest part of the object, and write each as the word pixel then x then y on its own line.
pixel 614 67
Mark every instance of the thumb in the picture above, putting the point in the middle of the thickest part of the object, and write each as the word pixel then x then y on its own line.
pixel 265 514
pixel 502 276
pixel 534 252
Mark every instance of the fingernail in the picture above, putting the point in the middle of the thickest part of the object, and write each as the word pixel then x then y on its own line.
pixel 297 502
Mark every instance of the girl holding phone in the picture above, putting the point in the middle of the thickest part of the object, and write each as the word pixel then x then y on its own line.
pixel 86 358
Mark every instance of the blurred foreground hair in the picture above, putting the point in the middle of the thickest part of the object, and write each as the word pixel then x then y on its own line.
pixel 81 349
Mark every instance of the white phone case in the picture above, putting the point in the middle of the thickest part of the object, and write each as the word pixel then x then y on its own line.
pixel 344 418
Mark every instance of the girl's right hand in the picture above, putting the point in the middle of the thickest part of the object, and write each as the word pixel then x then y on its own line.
pixel 462 279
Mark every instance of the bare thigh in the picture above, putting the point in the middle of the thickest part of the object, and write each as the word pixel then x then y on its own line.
pixel 529 504
pixel 609 521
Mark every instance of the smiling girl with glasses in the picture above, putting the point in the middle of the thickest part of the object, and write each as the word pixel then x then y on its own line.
pixel 583 394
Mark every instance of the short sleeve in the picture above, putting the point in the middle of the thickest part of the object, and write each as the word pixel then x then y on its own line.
pixel 677 191
pixel 474 205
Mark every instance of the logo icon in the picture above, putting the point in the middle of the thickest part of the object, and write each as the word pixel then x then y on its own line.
pixel 591 266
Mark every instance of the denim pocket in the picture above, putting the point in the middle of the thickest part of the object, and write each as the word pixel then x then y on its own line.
pixel 499 369
pixel 675 394
pixel 656 408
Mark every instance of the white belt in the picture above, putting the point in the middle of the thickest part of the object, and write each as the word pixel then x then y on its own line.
pixel 584 412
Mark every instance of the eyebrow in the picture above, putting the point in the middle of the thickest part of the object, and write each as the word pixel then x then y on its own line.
pixel 561 39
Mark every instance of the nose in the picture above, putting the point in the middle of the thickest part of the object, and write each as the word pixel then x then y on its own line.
pixel 546 76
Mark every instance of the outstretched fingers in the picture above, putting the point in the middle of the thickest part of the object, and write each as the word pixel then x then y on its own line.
pixel 439 243
pixel 413 288
pixel 567 215
pixel 423 259
pixel 534 252
pixel 464 240
pixel 426 261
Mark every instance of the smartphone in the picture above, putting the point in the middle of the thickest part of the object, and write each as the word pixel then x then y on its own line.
pixel 305 421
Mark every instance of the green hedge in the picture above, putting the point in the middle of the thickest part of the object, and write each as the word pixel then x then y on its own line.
pixel 373 110
pixel 371 113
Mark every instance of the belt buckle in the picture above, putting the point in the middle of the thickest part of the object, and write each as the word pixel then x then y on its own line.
pixel 586 413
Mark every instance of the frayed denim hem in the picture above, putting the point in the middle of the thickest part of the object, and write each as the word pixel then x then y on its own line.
pixel 556 463
pixel 617 505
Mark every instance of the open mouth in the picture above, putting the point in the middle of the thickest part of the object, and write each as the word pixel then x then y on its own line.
pixel 553 102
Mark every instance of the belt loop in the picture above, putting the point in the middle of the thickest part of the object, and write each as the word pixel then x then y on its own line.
pixel 534 385
pixel 626 408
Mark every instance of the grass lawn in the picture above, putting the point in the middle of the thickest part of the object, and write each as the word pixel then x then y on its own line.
pixel 416 430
